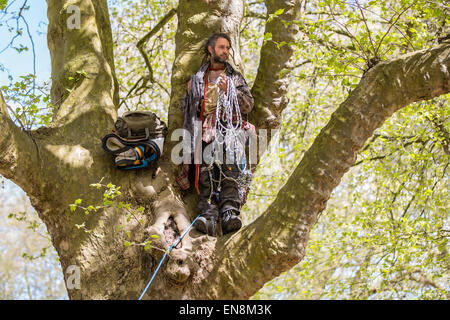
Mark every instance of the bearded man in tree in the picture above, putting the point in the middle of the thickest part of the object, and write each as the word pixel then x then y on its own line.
pixel 220 195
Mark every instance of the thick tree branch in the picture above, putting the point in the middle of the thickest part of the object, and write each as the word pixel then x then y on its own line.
pixel 272 81
pixel 19 155
pixel 277 240
pixel 81 49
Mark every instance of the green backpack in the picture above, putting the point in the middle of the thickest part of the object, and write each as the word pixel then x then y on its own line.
pixel 140 125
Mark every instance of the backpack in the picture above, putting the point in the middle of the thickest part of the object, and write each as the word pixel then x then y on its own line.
pixel 137 140
pixel 140 125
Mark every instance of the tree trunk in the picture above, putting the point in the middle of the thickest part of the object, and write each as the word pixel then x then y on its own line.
pixel 56 165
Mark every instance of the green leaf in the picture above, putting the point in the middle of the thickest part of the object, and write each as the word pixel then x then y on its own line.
pixel 267 36
pixel 283 72
pixel 279 12
pixel 127 243
pixel 79 226
pixel 82 72
pixel 3 4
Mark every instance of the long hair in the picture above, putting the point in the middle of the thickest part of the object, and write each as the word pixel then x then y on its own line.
pixel 212 42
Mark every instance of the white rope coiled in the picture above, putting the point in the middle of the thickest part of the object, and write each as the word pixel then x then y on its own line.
pixel 228 125
pixel 228 133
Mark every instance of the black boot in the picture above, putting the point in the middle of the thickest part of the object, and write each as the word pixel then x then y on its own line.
pixel 231 221
pixel 206 225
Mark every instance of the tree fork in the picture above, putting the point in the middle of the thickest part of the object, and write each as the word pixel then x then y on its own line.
pixel 229 267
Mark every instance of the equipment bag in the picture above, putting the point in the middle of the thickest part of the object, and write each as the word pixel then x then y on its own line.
pixel 137 140
pixel 140 125
pixel 131 154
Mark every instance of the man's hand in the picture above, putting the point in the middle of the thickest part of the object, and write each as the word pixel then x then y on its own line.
pixel 222 83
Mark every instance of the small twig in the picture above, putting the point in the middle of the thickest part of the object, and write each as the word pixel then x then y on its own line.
pixel 367 27
pixel 390 27
pixel 131 212
pixel 150 246
pixel 349 33
pixel 34 52
pixel 439 126
pixel 252 14
pixel 395 26
pixel 17 118
pixel 17 25
pixel 133 88
pixel 141 43
pixel 301 64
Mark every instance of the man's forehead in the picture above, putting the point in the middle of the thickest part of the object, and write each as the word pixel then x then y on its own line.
pixel 222 41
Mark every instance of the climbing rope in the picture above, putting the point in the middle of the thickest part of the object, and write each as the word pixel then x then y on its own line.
pixel 228 114
pixel 228 132
pixel 164 256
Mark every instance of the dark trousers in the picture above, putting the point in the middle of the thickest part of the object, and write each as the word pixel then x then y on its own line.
pixel 215 198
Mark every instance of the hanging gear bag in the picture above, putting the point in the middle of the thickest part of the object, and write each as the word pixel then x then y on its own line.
pixel 138 125
pixel 137 140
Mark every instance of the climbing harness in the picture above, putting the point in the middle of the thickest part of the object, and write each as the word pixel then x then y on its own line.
pixel 137 140
pixel 130 154
pixel 164 256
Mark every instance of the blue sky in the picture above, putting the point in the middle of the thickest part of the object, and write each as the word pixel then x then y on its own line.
pixel 19 64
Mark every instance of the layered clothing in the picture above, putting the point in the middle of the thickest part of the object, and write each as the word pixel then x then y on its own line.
pixel 200 118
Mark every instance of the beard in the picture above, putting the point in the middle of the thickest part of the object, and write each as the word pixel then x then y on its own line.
pixel 218 59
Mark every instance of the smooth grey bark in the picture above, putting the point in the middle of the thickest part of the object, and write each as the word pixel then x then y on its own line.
pixel 272 81
pixel 70 158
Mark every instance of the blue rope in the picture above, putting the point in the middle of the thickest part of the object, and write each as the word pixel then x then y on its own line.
pixel 165 254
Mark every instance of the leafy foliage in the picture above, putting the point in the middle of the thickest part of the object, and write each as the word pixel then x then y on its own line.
pixel 3 4
pixel 29 103
pixel 131 20
pixel 111 200
pixel 384 234
pixel 29 267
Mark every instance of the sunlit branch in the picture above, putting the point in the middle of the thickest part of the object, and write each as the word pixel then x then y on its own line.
pixel 141 43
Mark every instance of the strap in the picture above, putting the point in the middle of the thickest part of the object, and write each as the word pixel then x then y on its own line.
pixel 197 165
pixel 217 69
pixel 115 145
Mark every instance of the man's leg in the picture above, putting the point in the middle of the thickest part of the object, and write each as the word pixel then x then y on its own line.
pixel 207 205
pixel 230 201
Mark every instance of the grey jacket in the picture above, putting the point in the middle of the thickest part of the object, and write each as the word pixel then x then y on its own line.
pixel 190 104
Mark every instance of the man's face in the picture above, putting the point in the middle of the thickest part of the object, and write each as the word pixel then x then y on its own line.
pixel 221 50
